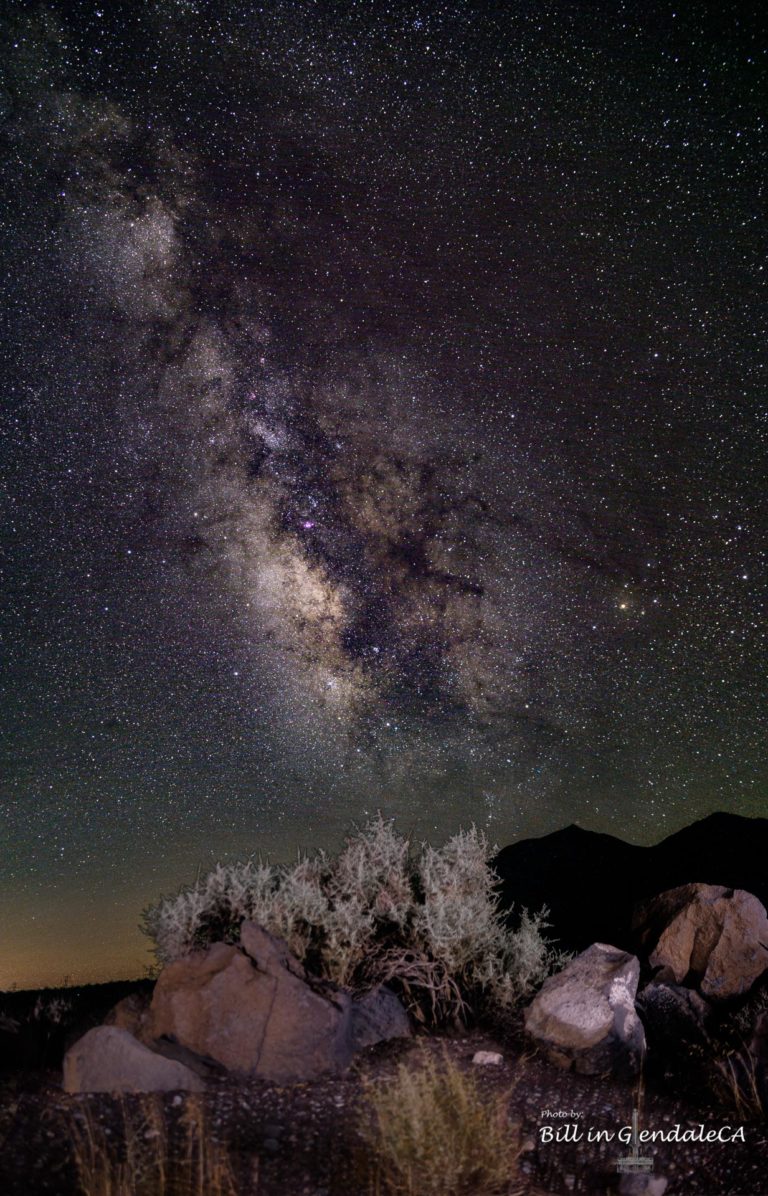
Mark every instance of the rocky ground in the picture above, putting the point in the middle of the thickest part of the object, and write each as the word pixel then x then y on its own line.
pixel 250 1008
pixel 301 1140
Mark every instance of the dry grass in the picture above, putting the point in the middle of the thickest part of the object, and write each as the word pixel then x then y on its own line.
pixel 148 1160
pixel 430 1132
pixel 738 1085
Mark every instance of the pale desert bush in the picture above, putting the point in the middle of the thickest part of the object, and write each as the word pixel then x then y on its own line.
pixel 430 1132
pixel 143 1160
pixel 425 920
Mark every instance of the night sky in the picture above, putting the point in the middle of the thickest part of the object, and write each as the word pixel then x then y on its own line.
pixel 383 428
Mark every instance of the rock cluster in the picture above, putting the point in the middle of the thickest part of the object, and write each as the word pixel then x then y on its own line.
pixel 704 945
pixel 251 1008
pixel 248 1008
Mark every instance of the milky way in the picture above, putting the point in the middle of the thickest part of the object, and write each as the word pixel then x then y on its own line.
pixel 384 429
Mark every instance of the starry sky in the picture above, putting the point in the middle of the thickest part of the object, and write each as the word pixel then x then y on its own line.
pixel 383 428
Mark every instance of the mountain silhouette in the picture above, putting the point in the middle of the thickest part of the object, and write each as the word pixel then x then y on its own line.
pixel 591 881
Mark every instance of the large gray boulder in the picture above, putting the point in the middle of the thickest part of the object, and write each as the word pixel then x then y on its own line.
pixel 109 1059
pixel 377 1016
pixel 705 936
pixel 584 1017
pixel 253 1009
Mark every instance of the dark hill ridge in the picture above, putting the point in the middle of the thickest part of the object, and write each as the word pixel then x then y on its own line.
pixel 591 881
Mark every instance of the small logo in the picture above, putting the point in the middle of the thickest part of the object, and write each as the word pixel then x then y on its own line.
pixel 634 1161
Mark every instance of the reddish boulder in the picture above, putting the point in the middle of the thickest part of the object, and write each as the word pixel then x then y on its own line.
pixel 707 936
pixel 253 1009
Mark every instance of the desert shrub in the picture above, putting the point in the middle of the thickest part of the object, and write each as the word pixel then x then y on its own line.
pixel 370 900
pixel 457 920
pixel 430 1132
pixel 459 955
pixel 424 920
pixel 54 1010
pixel 526 959
pixel 8 1024
pixel 297 905
pixel 145 1159
pixel 211 909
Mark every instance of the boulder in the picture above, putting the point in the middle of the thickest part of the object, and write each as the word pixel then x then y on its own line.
pixel 706 936
pixel 253 1009
pixel 584 1017
pixel 109 1059
pixel 270 953
pixel 377 1016
pixel 131 1014
pixel 675 1017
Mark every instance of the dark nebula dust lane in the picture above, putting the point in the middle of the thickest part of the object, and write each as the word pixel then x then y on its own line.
pixel 383 428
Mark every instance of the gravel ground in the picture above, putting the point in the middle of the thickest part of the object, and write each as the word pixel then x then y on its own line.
pixel 300 1140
